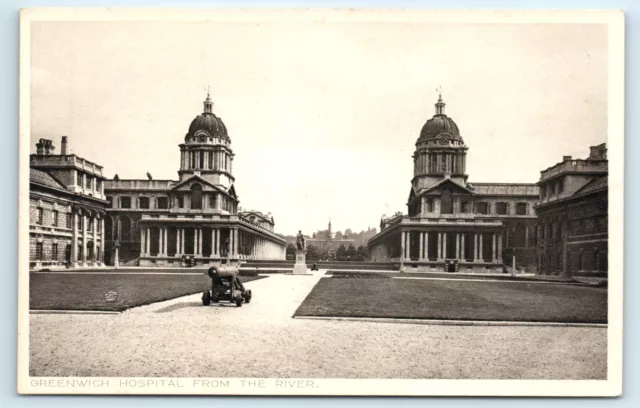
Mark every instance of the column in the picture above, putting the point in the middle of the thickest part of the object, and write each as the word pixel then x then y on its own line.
pixel 84 237
pixel 160 241
pixel 102 239
pixel 444 245
pixel 235 241
pixel 475 246
pixel 494 252
pixel 148 241
pixel 213 242
pixel 141 242
pixel 426 245
pixel 457 245
pixel 95 238
pixel 166 243
pixel 439 249
pixel 218 241
pixel 182 235
pixel 500 247
pixel 526 236
pixel 421 248
pixel 177 241
pixel 480 249
pixel 199 241
pixel 74 239
pixel 195 241
pixel 403 244
pixel 408 247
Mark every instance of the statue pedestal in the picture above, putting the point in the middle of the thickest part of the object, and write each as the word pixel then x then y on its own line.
pixel 300 267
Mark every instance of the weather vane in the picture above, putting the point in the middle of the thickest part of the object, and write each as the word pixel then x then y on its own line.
pixel 207 89
pixel 439 90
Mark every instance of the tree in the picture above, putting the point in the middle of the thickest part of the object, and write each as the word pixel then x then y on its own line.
pixel 313 253
pixel 291 251
pixel 363 253
pixel 351 252
pixel 338 235
pixel 341 253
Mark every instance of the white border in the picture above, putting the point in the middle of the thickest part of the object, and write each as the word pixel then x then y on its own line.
pixel 187 386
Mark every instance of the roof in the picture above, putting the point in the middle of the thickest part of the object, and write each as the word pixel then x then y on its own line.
pixel 593 186
pixel 45 179
pixel 515 189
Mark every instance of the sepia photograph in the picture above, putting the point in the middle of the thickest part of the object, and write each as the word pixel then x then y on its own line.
pixel 321 202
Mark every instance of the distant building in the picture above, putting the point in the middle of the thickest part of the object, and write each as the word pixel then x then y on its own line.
pixel 327 243
pixel 478 225
pixel 573 216
pixel 156 222
pixel 66 209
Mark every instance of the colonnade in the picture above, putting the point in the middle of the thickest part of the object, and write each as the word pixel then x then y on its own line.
pixel 82 235
pixel 460 245
pixel 223 242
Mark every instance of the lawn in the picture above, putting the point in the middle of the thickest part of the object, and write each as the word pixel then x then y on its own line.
pixel 456 300
pixel 86 291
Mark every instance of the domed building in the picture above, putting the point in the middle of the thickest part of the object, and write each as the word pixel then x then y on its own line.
pixel 158 222
pixel 452 223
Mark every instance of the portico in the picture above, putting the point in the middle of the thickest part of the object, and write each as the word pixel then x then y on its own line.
pixel 165 241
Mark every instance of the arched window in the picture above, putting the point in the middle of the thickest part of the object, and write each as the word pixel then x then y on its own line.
pixel 446 206
pixel 196 197
pixel 430 205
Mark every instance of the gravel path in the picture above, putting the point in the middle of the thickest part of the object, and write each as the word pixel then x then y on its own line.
pixel 182 338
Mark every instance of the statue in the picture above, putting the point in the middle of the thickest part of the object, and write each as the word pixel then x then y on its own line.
pixel 300 242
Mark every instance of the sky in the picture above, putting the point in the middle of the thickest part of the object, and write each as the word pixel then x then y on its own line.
pixel 323 117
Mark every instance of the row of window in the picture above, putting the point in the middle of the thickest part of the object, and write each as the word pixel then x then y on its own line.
pixel 87 179
pixel 196 202
pixel 55 254
pixel 584 226
pixel 212 161
pixel 446 206
pixel 55 220
pixel 552 188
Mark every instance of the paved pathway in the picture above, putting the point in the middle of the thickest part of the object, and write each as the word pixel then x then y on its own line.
pixel 182 338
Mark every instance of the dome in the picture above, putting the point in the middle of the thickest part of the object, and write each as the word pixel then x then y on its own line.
pixel 440 126
pixel 209 123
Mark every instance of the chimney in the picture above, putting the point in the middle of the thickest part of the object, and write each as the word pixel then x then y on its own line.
pixel 40 147
pixel 63 146
pixel 48 147
pixel 565 158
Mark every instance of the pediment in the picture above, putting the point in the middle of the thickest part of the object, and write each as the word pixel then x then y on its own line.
pixel 447 184
pixel 188 183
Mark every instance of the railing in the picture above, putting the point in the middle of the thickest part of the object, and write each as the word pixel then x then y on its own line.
pixel 138 184
pixel 72 159
pixel 583 166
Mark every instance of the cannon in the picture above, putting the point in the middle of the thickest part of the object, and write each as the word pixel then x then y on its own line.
pixel 225 286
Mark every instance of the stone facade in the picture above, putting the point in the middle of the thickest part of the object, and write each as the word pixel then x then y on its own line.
pixel 475 226
pixel 66 209
pixel 157 222
pixel 572 225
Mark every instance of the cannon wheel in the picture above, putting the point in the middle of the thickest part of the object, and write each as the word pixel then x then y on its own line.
pixel 239 300
pixel 247 296
pixel 206 298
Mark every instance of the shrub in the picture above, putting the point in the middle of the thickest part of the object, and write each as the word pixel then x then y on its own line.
pixel 359 275
pixel 248 272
